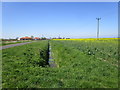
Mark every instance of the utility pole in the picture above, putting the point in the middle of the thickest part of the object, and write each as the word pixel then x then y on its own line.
pixel 98 28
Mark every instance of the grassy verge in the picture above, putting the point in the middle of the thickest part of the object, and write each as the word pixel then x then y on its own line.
pixel 19 63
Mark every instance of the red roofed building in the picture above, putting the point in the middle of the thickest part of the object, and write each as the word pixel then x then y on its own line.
pixel 26 38
pixel 36 38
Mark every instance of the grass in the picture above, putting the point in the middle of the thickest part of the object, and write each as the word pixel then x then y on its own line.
pixel 89 67
pixel 80 64
pixel 17 62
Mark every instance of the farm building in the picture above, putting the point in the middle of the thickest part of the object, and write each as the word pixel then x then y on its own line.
pixel 26 38
pixel 36 38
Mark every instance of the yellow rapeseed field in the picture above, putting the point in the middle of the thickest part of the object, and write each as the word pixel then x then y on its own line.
pixel 90 39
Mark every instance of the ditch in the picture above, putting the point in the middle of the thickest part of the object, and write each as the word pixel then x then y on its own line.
pixel 51 61
pixel 47 58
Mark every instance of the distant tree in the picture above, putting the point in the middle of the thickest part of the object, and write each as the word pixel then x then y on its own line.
pixel 32 37
pixel 67 38
pixel 43 38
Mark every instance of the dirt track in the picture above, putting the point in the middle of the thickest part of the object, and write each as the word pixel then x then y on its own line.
pixel 12 45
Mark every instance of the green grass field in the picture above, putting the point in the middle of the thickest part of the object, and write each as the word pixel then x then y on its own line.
pixel 80 64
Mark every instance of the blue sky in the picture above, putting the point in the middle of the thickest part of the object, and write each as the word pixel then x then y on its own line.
pixel 67 19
